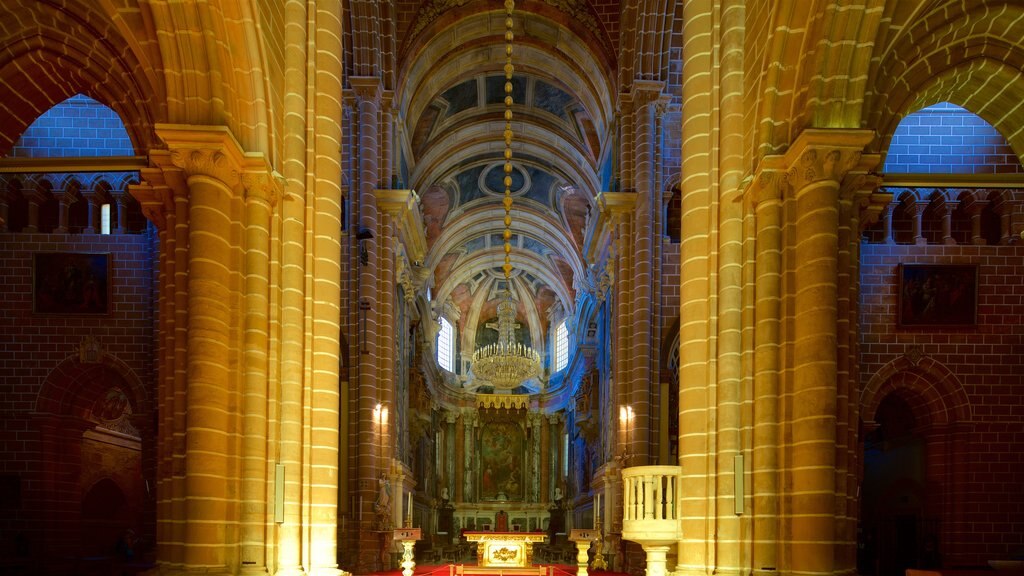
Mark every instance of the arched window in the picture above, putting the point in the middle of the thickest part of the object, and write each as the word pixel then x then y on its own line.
pixel 561 345
pixel 446 346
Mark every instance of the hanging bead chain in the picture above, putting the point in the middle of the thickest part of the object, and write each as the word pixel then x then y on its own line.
pixel 507 202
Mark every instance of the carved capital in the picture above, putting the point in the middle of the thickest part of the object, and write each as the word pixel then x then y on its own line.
pixel 210 151
pixel 367 88
pixel 207 162
pixel 647 92
pixel 262 186
pixel 817 155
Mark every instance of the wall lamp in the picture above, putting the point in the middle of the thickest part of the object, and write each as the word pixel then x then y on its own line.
pixel 363 236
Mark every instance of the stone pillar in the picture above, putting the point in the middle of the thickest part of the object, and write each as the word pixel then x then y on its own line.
pixel 470 421
pixel 545 461
pixel 63 205
pixel 287 553
pixel 647 105
pixel 92 202
pixel 450 455
pixel 371 464
pixel 887 222
pixel 34 199
pixel 947 223
pixel 617 209
pixel 459 457
pixel 210 160
pixel 918 214
pixel 122 212
pixel 5 195
pixel 975 210
pixel 766 200
pixel 818 161
pixel 261 196
pixel 157 199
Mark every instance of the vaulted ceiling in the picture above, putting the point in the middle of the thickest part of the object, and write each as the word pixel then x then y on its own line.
pixel 451 109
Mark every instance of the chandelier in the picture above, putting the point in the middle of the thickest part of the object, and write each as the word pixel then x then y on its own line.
pixel 506 364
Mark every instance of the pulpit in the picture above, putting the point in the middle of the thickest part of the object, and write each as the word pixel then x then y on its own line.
pixel 504 549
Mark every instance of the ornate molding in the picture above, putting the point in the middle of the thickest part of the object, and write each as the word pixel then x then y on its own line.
pixel 207 162
pixel 367 88
pixel 210 151
pixel 263 186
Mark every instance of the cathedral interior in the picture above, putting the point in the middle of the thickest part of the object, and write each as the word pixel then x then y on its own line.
pixel 738 285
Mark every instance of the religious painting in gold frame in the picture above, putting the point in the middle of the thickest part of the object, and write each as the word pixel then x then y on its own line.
pixel 502 474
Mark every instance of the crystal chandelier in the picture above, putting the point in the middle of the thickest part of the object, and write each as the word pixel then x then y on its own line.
pixel 506 364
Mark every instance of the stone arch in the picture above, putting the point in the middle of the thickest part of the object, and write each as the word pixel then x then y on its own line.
pixel 64 392
pixel 930 383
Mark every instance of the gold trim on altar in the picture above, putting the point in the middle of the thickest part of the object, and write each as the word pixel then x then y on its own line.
pixel 503 401
pixel 505 549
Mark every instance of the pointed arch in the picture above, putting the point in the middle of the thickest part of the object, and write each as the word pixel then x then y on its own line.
pixel 930 383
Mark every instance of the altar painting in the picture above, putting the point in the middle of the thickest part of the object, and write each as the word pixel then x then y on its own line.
pixel 501 461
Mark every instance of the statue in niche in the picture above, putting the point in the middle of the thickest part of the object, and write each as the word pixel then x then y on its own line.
pixel 382 506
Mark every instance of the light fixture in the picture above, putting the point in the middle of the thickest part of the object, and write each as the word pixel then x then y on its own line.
pixel 506 364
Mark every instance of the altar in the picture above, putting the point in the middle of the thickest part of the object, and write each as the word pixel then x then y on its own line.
pixel 504 549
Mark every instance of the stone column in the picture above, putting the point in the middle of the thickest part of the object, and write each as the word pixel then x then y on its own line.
pixel 975 210
pixel 211 160
pixel 887 222
pixel 450 455
pixel 647 106
pixel 261 196
pixel 122 213
pixel 545 461
pixel 534 421
pixel 291 348
pixel 817 161
pixel 617 208
pixel 459 457
pixel 765 196
pixel 947 223
pixel 918 214
pixel 63 205
pixel 34 199
pixel 470 421
pixel 320 493
pixel 157 201
pixel 92 202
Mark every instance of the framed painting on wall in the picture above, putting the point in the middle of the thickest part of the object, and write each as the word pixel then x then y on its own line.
pixel 71 283
pixel 938 295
